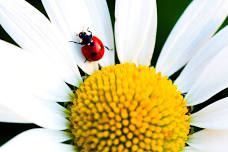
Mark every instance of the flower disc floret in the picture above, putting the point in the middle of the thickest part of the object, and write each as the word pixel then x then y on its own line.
pixel 129 108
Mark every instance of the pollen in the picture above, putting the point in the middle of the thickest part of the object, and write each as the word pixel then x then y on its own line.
pixel 129 108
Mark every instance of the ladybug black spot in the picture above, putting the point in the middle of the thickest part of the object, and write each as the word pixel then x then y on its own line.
pixel 93 54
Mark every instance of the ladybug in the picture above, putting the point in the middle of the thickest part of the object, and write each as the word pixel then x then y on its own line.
pixel 93 48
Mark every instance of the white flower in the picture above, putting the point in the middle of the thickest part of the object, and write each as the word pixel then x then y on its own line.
pixel 33 75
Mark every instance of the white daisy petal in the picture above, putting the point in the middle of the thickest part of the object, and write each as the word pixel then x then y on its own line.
pixel 9 116
pixel 195 67
pixel 209 140
pixel 37 140
pixel 197 24
pixel 213 79
pixel 33 32
pixel 71 17
pixel 44 80
pixel 214 116
pixel 32 72
pixel 56 16
pixel 102 23
pixel 11 80
pixel 15 27
pixel 135 30
pixel 187 149
pixel 43 113
pixel 17 96
pixel 145 55
pixel 191 149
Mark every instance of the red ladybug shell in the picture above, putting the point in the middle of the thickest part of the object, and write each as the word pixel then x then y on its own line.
pixel 95 52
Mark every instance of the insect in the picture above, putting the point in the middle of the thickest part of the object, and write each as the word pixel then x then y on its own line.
pixel 93 48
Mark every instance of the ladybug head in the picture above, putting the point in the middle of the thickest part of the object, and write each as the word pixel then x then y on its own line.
pixel 85 37
pixel 82 35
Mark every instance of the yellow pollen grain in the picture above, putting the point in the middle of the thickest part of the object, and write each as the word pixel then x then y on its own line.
pixel 128 108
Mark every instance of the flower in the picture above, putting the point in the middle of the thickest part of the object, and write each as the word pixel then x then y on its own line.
pixel 35 76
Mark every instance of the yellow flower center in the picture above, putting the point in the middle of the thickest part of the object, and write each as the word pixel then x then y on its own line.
pixel 127 108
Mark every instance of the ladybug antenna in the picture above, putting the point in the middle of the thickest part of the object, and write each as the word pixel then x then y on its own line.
pixel 83 29
pixel 89 31
pixel 108 48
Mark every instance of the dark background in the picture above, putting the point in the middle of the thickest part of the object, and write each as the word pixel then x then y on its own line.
pixel 168 13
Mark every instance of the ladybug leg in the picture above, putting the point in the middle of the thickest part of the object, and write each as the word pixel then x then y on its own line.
pixel 76 42
pixel 183 94
pixel 85 60
pixel 108 48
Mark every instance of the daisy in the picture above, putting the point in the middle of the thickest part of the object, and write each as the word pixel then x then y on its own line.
pixel 124 107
